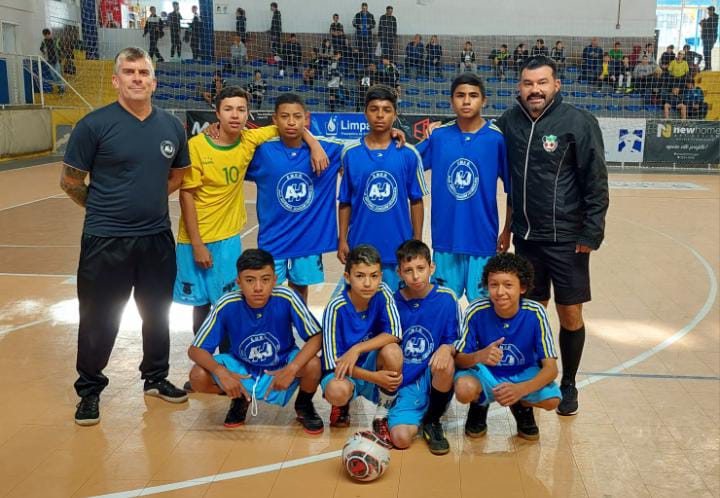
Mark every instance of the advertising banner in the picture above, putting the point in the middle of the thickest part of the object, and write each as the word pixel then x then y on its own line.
pixel 675 141
pixel 624 139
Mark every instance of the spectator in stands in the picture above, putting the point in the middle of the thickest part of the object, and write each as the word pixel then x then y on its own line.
pixel 467 58
pixel 643 73
pixel 390 76
pixel 558 55
pixel 241 24
pixel 623 72
pixel 173 20
pixel 709 35
pixel 217 84
pixel 364 23
pixel 667 57
pixel 635 55
pixel 238 54
pixel 650 52
pixel 694 101
pixel 154 28
pixel 69 42
pixel 325 55
pixel 369 78
pixel 290 55
pixel 335 81
pixel 693 59
pixel 499 58
pixel 520 55
pixel 275 28
pixel 616 52
pixel 387 33
pixel 608 72
pixel 309 73
pixel 592 58
pixel 337 34
pixel 257 88
pixel 539 48
pixel 414 57
pixel 673 101
pixel 51 52
pixel 196 33
pixel 433 55
pixel 678 70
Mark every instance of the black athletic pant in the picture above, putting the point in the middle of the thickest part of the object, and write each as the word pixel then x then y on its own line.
pixel 175 43
pixel 109 269
pixel 708 45
pixel 154 52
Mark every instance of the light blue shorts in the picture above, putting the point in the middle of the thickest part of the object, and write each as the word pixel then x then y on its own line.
pixel 390 276
pixel 412 402
pixel 307 270
pixel 363 388
pixel 196 286
pixel 257 385
pixel 460 272
pixel 488 381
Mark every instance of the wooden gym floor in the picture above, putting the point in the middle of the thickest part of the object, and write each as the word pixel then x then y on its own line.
pixel 649 401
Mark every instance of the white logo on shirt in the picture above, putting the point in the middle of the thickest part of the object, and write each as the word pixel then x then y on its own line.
pixel 295 191
pixel 418 344
pixel 260 349
pixel 463 179
pixel 512 356
pixel 167 149
pixel 380 192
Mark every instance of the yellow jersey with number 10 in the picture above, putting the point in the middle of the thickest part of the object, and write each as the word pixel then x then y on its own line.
pixel 217 173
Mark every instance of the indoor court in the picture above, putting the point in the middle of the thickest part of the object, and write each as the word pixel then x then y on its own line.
pixel 648 425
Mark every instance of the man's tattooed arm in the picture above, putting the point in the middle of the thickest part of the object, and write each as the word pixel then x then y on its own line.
pixel 72 181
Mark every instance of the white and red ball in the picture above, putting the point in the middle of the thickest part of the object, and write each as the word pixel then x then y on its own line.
pixel 365 456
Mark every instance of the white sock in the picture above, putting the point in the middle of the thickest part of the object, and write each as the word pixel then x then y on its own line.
pixel 384 404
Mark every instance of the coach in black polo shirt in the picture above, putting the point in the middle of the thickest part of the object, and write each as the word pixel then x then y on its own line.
pixel 136 155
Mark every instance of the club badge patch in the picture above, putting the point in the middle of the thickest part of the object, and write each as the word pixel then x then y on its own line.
pixel 550 143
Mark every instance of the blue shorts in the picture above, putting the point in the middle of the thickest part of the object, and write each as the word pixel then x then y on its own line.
pixel 461 273
pixel 257 385
pixel 307 270
pixel 390 276
pixel 411 402
pixel 197 287
pixel 363 388
pixel 488 381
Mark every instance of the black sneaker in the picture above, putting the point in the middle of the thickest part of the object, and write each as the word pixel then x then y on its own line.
pixel 164 390
pixel 569 403
pixel 340 416
pixel 309 418
pixel 435 436
pixel 236 414
pixel 526 426
pixel 476 423
pixel 187 387
pixel 88 410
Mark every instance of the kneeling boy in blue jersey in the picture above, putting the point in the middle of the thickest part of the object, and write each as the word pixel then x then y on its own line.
pixel 430 319
pixel 264 361
pixel 361 331
pixel 507 350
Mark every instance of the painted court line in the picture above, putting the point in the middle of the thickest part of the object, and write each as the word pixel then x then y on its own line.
pixel 653 376
pixel 699 316
pixel 54 196
pixel 23 326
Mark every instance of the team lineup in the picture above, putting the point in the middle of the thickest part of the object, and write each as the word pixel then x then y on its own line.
pixel 395 333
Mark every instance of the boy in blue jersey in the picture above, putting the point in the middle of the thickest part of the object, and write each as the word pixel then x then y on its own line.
pixel 361 332
pixel 263 361
pixel 467 156
pixel 506 350
pixel 295 206
pixel 378 182
pixel 430 318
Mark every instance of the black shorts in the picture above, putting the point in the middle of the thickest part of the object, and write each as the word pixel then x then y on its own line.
pixel 557 263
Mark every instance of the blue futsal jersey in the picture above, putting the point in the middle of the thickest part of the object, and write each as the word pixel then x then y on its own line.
pixel 259 337
pixel 528 338
pixel 343 326
pixel 465 171
pixel 295 207
pixel 427 324
pixel 378 184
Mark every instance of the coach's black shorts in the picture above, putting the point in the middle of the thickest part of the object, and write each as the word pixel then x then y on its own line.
pixel 557 263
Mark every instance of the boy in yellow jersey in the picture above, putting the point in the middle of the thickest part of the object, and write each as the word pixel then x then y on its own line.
pixel 213 204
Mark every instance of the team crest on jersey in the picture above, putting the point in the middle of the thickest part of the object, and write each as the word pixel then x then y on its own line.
pixel 512 356
pixel 463 179
pixel 295 191
pixel 550 143
pixel 380 192
pixel 418 344
pixel 167 149
pixel 260 349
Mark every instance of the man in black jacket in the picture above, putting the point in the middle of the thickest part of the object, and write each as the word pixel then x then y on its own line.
pixel 364 23
pixel 154 27
pixel 173 20
pixel 559 201
pixel 275 28
pixel 709 35
pixel 387 32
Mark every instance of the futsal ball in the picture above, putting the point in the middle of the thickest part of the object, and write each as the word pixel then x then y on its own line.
pixel 365 456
